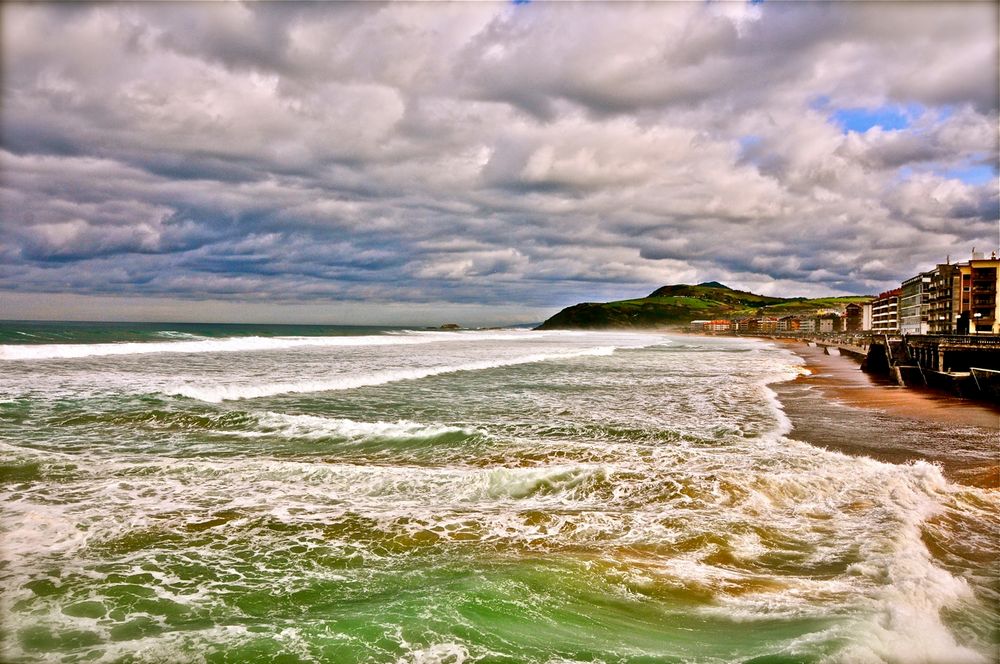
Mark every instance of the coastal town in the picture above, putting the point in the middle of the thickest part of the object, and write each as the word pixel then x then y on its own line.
pixel 939 328
pixel 952 298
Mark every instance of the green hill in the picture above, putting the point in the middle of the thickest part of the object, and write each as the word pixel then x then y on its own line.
pixel 678 305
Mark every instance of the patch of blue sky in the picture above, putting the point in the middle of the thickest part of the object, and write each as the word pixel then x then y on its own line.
pixel 974 174
pixel 749 145
pixel 888 117
pixel 969 173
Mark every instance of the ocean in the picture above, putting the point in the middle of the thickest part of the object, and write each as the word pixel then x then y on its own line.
pixel 241 493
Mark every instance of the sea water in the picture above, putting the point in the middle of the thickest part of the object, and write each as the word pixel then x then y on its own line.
pixel 201 493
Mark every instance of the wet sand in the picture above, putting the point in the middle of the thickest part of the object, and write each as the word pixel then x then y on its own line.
pixel 900 424
pixel 841 376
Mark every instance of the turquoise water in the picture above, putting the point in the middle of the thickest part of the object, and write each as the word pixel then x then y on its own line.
pixel 272 494
pixel 82 332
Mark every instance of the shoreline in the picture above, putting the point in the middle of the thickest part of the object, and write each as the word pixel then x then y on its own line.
pixel 842 376
pixel 903 410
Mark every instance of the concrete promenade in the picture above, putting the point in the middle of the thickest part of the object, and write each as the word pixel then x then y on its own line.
pixel 967 366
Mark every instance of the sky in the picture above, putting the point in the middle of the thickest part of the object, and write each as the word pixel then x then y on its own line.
pixel 483 163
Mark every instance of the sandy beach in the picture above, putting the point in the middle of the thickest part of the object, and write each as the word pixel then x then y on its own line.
pixel 916 423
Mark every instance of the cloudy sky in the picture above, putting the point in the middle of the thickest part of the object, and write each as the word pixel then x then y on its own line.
pixel 493 163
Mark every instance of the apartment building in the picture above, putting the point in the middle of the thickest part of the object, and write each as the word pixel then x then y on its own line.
pixel 979 308
pixel 854 318
pixel 914 304
pixel 961 297
pixel 944 301
pixel 718 326
pixel 829 323
pixel 789 324
pixel 885 312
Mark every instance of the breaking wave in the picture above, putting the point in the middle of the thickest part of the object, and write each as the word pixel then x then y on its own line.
pixel 192 344
pixel 311 427
pixel 219 393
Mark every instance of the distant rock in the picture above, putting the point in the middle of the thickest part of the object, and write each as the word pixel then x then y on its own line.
pixel 450 326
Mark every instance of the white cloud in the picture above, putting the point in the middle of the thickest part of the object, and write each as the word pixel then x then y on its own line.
pixel 482 153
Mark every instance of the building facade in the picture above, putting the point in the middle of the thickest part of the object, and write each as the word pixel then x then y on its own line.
pixel 853 318
pixel 828 323
pixel 979 307
pixel 944 305
pixel 717 326
pixel 767 325
pixel 885 312
pixel 789 324
pixel 914 304
pixel 953 298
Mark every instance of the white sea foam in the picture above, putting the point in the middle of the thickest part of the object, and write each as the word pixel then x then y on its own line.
pixel 439 653
pixel 313 427
pixel 563 481
pixel 905 590
pixel 227 345
pixel 219 392
pixel 33 528
pixel 175 334
pixel 241 344
pixel 912 590
pixel 898 584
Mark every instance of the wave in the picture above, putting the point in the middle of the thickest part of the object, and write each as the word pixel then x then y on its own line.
pixel 174 334
pixel 907 625
pixel 230 345
pixel 157 418
pixel 194 344
pixel 913 590
pixel 312 427
pixel 245 424
pixel 219 393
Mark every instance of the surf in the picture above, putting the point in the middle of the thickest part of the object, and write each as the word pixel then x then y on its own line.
pixel 187 343
pixel 218 393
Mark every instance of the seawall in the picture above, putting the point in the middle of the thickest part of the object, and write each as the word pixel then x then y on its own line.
pixel 963 366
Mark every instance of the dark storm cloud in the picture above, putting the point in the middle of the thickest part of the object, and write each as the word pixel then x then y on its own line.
pixel 489 153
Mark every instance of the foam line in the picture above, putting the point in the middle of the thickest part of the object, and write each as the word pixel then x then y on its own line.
pixel 218 393
pixel 234 345
pixel 312 426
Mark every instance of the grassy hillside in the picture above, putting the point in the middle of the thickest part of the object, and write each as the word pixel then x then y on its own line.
pixel 678 305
